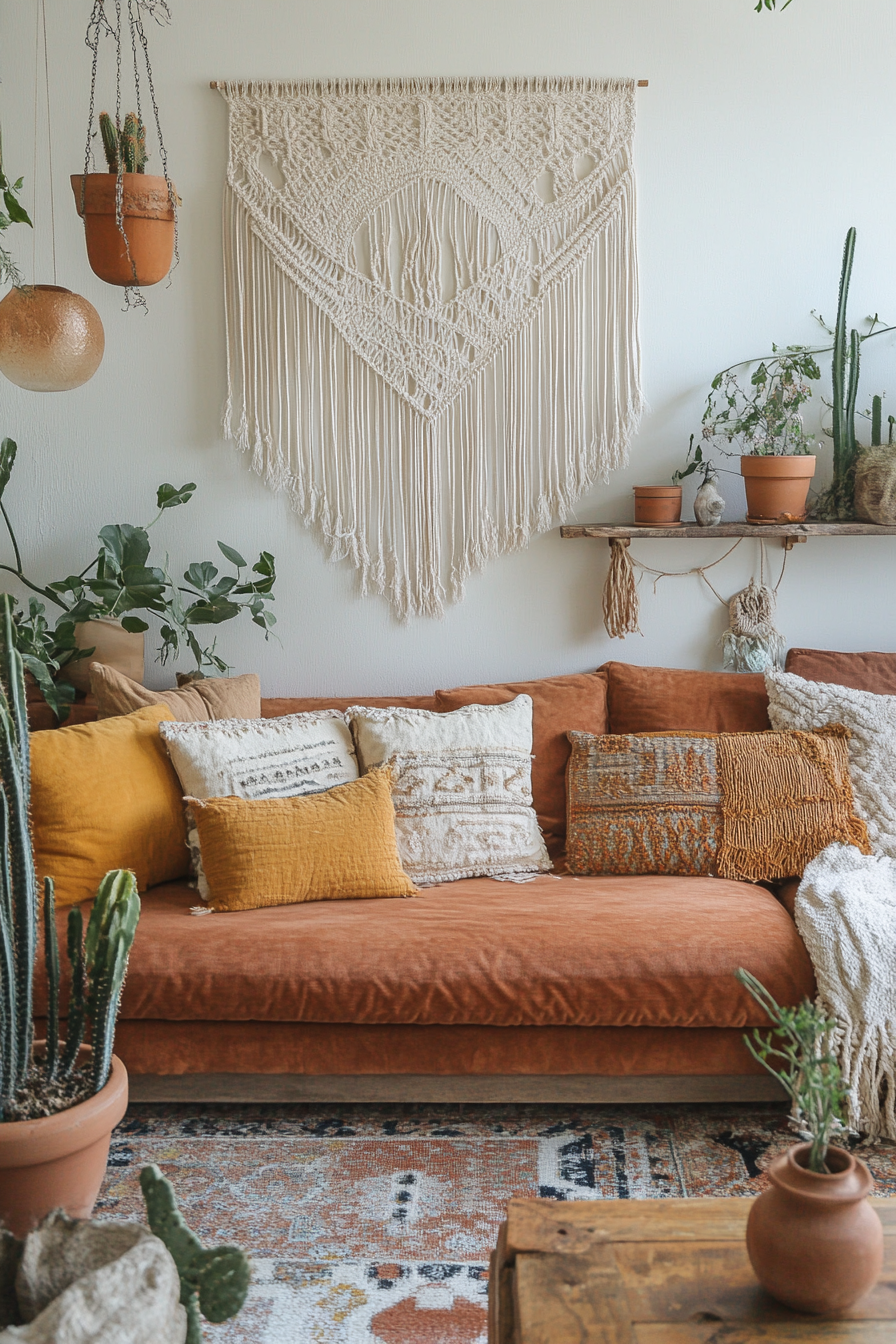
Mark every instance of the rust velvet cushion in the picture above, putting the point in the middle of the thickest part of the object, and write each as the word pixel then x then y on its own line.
pixel 875 672
pixel 193 702
pixel 105 795
pixel 578 700
pixel 668 700
pixel 330 846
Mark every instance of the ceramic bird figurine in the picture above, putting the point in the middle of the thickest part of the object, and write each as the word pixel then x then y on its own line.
pixel 708 503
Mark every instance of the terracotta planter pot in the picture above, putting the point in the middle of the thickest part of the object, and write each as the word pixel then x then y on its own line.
pixel 51 340
pixel 657 505
pixel 112 645
pixel 59 1162
pixel 813 1240
pixel 776 487
pixel 148 217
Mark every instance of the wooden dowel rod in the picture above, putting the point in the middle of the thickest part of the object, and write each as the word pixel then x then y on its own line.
pixel 219 84
pixel 643 83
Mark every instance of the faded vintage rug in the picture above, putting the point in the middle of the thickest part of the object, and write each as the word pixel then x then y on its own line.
pixel 373 1224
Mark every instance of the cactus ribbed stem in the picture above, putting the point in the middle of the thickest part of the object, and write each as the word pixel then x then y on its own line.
pixel 51 957
pixel 109 135
pixel 74 1026
pixel 876 420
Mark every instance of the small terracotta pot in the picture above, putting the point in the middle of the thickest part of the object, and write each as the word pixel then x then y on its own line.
pixel 148 219
pixel 112 645
pixel 814 1241
pixel 777 487
pixel 657 505
pixel 59 1162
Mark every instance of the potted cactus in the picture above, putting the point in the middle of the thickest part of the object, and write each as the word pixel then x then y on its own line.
pixel 129 214
pixel 59 1099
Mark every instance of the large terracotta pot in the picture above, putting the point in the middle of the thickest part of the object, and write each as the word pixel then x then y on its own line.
pixel 112 645
pixel 777 487
pixel 813 1240
pixel 59 1162
pixel 51 340
pixel 148 219
pixel 657 505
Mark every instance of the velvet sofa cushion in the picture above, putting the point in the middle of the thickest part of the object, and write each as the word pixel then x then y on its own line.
pixel 557 951
pixel 875 672
pixel 278 706
pixel 577 700
pixel 669 700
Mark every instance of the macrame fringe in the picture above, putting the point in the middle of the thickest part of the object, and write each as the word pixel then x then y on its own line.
pixel 620 597
pixel 419 503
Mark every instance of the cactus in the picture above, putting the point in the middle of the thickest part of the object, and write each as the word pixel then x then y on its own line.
pixel 125 147
pixel 846 363
pixel 98 965
pixel 876 418
pixel 213 1282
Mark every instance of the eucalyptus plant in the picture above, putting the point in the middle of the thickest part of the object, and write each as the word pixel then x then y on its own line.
pixel 119 582
pixel 809 1074
pixel 756 405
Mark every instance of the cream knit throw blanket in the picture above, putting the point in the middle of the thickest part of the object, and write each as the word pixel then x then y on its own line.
pixel 846 916
pixel 431 298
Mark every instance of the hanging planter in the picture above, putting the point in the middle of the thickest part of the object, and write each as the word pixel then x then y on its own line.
pixel 141 251
pixel 51 340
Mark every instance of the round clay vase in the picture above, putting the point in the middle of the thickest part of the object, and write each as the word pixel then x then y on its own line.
pixel 777 487
pixel 148 220
pixel 814 1241
pixel 51 340
pixel 59 1162
pixel 112 645
pixel 657 505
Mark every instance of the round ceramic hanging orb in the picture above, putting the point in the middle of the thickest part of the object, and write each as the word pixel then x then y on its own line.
pixel 51 340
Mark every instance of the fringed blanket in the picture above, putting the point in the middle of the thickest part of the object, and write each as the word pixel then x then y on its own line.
pixel 846 916
pixel 431 294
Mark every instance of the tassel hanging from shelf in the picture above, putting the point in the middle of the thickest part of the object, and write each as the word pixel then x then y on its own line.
pixel 621 605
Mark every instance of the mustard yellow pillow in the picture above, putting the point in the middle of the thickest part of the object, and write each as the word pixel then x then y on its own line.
pixel 105 795
pixel 333 846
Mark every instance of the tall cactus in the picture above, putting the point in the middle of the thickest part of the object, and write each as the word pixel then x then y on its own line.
pixel 98 965
pixel 213 1281
pixel 124 147
pixel 845 368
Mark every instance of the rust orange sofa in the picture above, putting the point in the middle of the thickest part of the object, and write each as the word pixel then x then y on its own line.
pixel 563 988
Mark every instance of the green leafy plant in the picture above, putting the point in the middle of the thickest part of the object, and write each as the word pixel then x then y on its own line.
pixel 125 146
pixel 756 404
pixel 695 462
pixel 810 1075
pixel 120 581
pixel 29 1087
pixel 13 212
pixel 769 4
pixel 213 1282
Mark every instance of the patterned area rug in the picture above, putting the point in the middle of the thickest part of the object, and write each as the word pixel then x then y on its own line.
pixel 373 1224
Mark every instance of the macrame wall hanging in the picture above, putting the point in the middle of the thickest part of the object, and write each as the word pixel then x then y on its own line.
pixel 750 644
pixel 431 295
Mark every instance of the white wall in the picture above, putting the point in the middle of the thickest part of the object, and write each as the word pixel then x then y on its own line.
pixel 760 139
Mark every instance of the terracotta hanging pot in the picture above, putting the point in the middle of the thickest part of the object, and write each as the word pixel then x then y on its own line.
pixel 657 505
pixel 112 645
pixel 777 487
pixel 148 220
pixel 51 340
pixel 59 1162
pixel 814 1241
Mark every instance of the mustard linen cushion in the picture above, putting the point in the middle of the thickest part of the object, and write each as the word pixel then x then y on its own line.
pixel 334 846
pixel 194 702
pixel 105 795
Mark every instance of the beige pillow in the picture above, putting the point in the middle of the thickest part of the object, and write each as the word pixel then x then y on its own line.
pixel 195 702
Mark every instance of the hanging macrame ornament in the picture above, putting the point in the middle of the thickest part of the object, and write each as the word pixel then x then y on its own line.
pixel 751 643
pixel 620 601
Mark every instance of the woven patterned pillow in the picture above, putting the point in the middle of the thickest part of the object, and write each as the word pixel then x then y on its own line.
pixel 753 806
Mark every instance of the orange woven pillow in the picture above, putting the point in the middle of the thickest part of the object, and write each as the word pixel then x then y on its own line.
pixel 333 846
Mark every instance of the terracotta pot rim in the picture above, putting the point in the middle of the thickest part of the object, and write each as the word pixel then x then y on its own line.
pixel 825 1187
pixel 143 195
pixel 29 1143
pixel 788 464
pixel 657 491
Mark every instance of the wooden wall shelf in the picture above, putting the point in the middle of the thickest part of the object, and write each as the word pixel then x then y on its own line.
pixel 789 533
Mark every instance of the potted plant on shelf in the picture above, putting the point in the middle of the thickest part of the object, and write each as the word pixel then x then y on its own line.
pixel 97 607
pixel 814 1241
pixel 709 504
pixel 59 1099
pixel 657 505
pixel 129 214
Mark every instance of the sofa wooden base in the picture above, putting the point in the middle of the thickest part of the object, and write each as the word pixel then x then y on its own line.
pixel 290 1087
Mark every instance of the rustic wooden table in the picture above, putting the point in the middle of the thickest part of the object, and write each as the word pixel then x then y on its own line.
pixel 656 1271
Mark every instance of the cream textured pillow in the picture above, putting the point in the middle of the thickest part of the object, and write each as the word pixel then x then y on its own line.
pixel 871 719
pixel 193 702
pixel 259 758
pixel 461 785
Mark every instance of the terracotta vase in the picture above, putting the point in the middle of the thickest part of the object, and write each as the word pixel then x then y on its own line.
pixel 777 487
pixel 657 505
pixel 51 340
pixel 814 1241
pixel 111 645
pixel 148 219
pixel 59 1162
